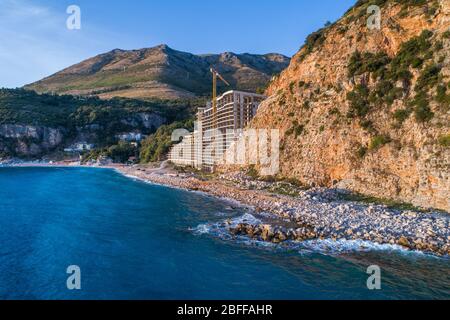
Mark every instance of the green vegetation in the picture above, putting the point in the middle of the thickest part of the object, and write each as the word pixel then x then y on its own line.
pixel 391 204
pixel 385 93
pixel 423 113
pixel 19 106
pixel 402 115
pixel 279 185
pixel 292 87
pixel 361 152
pixel 334 112
pixel 155 147
pixel 428 78
pixel 119 153
pixel 439 46
pixel 296 129
pixel 368 62
pixel 412 54
pixel 261 90
pixel 314 40
pixel 378 141
pixel 368 126
pixel 359 103
pixel 186 73
pixel 252 172
pixel 442 97
pixel 28 108
pixel 306 105
pixel 444 141
pixel 422 110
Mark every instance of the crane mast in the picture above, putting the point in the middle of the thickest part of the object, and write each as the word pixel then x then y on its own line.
pixel 216 75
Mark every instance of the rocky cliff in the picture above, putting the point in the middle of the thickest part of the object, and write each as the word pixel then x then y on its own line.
pixel 161 72
pixel 369 109
pixel 36 141
pixel 29 140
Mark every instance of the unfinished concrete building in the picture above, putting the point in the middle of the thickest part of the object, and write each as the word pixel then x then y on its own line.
pixel 216 132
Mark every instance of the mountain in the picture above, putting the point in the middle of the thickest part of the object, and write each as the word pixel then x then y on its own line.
pixel 369 110
pixel 161 72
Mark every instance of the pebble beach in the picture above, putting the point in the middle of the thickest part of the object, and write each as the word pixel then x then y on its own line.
pixel 312 214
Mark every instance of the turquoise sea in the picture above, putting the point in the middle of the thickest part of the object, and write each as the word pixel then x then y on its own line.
pixel 134 240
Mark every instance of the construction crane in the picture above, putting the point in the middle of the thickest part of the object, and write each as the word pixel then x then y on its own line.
pixel 214 94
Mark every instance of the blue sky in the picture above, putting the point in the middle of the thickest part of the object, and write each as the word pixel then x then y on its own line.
pixel 34 40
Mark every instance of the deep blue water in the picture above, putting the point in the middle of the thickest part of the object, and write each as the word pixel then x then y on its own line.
pixel 138 241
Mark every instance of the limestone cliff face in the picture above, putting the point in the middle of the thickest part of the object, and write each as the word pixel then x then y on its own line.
pixel 29 140
pixel 145 120
pixel 369 110
pixel 35 141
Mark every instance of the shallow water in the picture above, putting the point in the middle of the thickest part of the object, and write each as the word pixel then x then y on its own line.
pixel 133 240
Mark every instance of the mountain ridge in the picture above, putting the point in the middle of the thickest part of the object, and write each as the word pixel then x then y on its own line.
pixel 160 72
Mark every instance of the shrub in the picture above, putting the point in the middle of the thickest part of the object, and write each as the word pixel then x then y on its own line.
pixel 412 53
pixel 315 39
pixel 334 111
pixel 290 131
pixel 359 104
pixel 378 141
pixel 428 78
pixel 438 46
pixel 261 90
pixel 312 41
pixel 441 95
pixel 306 105
pixel 296 129
pixel 252 172
pixel 385 92
pixel 361 152
pixel 423 113
pixel 299 130
pixel 291 87
pixel 368 62
pixel 402 115
pixel 444 141
pixel 368 126
pixel 121 152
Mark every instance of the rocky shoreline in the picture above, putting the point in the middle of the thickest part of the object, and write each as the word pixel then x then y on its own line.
pixel 313 214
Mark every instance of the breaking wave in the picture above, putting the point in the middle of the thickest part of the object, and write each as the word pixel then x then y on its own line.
pixel 327 246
